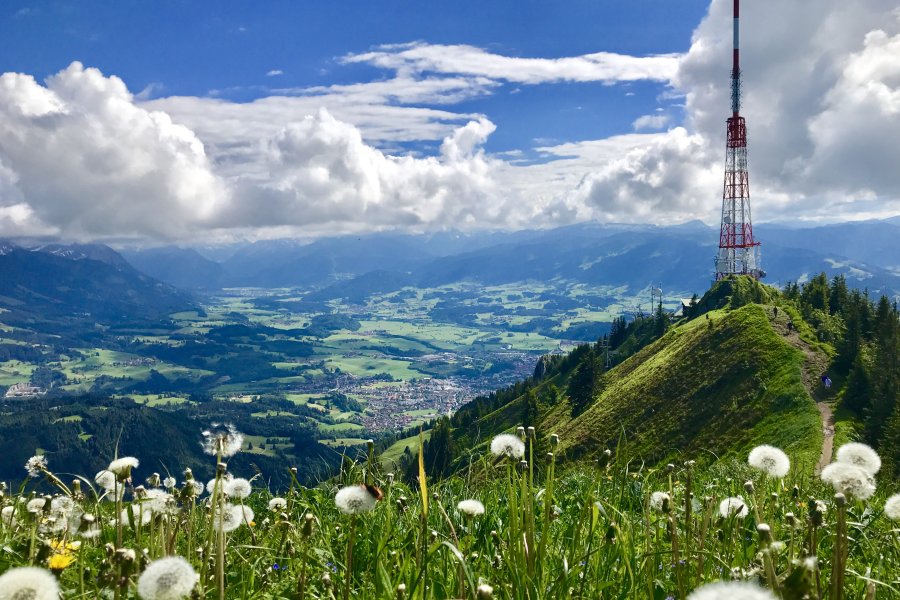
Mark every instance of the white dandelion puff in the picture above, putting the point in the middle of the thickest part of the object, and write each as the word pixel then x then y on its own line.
pixel 277 504
pixel 354 500
pixel 194 487
pixel 733 507
pixel 141 514
pixel 106 480
pixel 121 467
pixel 849 480
pixel 731 590
pixel 211 484
pixel 160 501
pixel 29 583
pixel 36 465
pixel 238 488
pixel 230 517
pixel 35 505
pixel 657 499
pixel 169 483
pixel 63 505
pixel 507 445
pixel 892 508
pixel 8 516
pixel 222 440
pixel 470 508
pixel 90 531
pixel 860 455
pixel 169 578
pixel 770 460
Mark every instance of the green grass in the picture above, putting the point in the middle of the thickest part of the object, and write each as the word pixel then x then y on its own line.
pixel 587 532
pixel 709 388
pixel 339 427
pixel 364 366
pixel 391 456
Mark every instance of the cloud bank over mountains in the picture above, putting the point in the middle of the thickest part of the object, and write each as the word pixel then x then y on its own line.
pixel 83 157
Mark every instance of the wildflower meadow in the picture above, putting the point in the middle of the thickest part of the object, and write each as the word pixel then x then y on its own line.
pixel 513 525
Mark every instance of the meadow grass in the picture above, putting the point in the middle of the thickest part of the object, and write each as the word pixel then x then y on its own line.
pixel 606 529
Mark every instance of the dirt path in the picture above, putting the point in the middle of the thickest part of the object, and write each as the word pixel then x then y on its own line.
pixel 814 366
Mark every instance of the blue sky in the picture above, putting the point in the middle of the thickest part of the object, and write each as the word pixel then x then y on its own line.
pixel 173 121
pixel 227 49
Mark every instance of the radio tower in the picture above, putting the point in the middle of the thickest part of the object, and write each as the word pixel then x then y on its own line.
pixel 738 252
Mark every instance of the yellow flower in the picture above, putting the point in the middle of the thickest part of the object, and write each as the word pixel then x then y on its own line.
pixel 64 548
pixel 58 562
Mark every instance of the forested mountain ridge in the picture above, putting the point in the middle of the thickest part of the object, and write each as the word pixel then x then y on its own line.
pixel 736 371
pixel 44 285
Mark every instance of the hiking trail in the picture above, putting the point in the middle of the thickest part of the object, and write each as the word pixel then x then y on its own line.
pixel 814 366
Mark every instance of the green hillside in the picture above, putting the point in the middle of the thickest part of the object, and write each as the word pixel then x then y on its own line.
pixel 715 385
pixel 720 384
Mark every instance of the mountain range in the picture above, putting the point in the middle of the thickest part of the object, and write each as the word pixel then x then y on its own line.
pixel 45 282
pixel 677 258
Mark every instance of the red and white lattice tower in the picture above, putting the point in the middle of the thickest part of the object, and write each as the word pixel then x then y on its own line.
pixel 738 251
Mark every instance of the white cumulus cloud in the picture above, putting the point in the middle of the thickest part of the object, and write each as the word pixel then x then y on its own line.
pixel 608 67
pixel 88 162
pixel 321 175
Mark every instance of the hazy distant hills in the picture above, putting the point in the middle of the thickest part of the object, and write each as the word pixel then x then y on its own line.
pixel 40 285
pixel 679 258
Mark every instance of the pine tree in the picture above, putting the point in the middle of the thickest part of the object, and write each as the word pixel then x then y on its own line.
pixel 581 384
pixel 885 369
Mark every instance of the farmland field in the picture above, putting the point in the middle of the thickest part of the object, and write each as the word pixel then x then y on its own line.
pixel 352 368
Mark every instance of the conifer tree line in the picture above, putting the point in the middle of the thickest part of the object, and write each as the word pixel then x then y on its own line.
pixel 866 337
pixel 861 334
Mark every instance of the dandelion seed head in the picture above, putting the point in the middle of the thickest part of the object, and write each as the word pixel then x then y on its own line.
pixel 354 500
pixel 28 583
pixel 277 504
pixel 141 513
pixel 507 445
pixel 848 479
pixel 860 455
pixel 36 465
pixel 106 480
pixel 121 467
pixel 770 460
pixel 211 484
pixel 238 488
pixel 231 516
pixel 657 499
pixel 733 507
pixel 169 578
pixel 470 508
pixel 222 438
pixel 169 483
pixel 194 487
pixel 63 505
pixel 892 508
pixel 35 505
pixel 731 590
pixel 159 501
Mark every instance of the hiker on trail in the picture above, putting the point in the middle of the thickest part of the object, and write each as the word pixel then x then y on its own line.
pixel 776 312
pixel 827 381
pixel 790 325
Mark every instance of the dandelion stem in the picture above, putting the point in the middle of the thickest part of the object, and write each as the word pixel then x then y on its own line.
pixel 349 566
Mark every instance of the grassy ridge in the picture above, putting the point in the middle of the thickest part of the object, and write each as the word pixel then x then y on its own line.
pixel 713 386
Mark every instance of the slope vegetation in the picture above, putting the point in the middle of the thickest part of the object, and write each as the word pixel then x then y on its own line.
pixel 719 385
pixel 711 387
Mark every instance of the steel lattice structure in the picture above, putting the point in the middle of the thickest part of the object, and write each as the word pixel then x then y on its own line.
pixel 738 252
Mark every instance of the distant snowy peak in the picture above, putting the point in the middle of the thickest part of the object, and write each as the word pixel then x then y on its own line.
pixel 97 252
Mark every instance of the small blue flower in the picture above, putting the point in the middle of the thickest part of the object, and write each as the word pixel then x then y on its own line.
pixel 275 567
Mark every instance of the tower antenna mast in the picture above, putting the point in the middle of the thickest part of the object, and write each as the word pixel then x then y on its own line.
pixel 738 252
